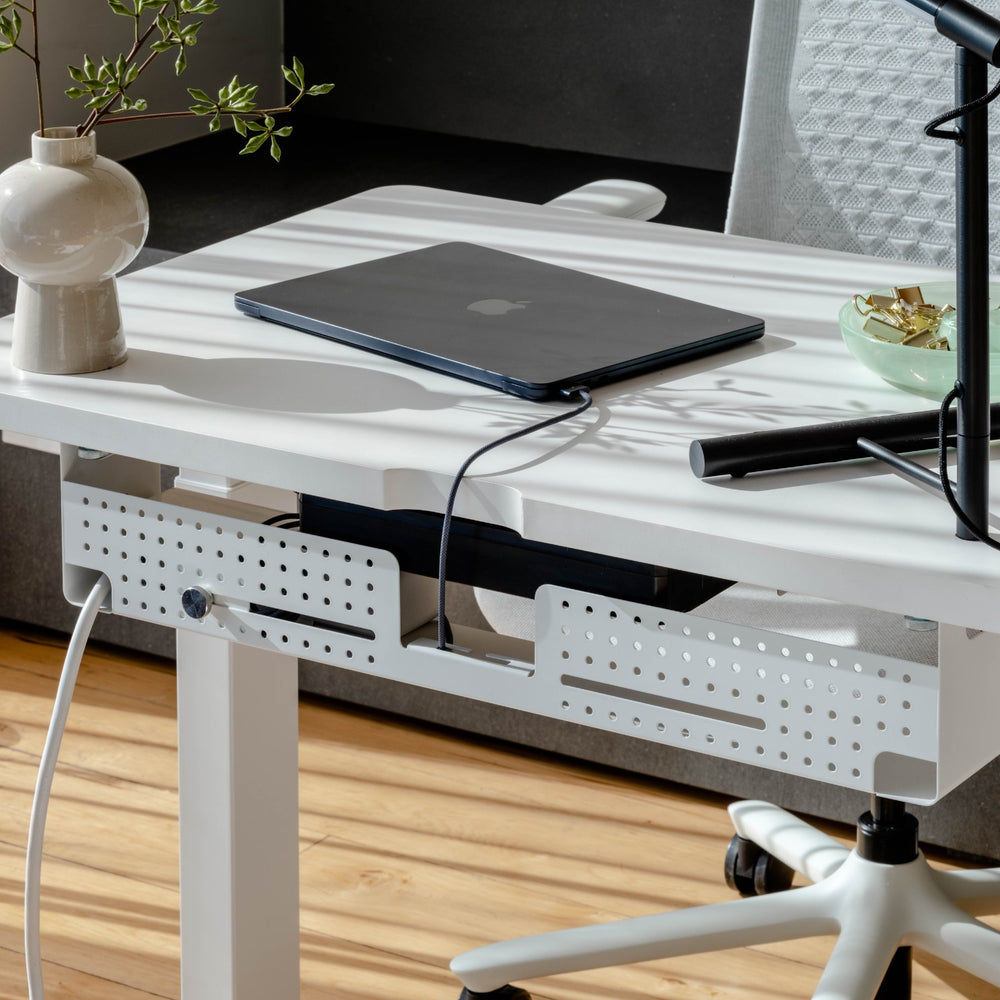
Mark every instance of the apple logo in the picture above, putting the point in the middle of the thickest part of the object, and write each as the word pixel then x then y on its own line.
pixel 496 307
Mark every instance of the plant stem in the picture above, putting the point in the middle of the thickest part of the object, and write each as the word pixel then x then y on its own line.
pixel 38 67
pixel 256 113
pixel 97 114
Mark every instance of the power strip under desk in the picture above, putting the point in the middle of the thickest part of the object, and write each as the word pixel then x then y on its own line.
pixel 860 720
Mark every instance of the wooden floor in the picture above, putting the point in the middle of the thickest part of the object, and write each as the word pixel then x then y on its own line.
pixel 415 845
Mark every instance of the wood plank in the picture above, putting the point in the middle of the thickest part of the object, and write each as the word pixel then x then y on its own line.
pixel 61 983
pixel 109 927
pixel 104 667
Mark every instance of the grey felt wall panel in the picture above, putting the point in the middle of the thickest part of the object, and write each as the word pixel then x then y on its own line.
pixel 657 80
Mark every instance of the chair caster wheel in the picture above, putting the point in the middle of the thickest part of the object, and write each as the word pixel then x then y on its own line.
pixel 503 993
pixel 751 871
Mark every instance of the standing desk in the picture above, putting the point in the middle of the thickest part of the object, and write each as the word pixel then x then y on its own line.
pixel 252 413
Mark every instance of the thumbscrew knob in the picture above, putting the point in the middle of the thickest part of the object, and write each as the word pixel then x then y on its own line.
pixel 196 602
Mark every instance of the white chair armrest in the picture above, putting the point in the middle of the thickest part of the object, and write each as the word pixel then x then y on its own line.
pixel 621 198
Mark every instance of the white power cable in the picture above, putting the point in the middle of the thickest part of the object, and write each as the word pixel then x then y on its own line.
pixel 46 771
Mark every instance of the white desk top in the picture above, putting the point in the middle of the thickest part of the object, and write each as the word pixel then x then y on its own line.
pixel 210 389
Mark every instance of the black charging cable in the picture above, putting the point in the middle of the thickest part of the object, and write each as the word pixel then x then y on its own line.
pixel 444 628
pixel 933 128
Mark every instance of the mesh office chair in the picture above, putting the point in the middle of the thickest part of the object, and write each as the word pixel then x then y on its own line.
pixel 831 154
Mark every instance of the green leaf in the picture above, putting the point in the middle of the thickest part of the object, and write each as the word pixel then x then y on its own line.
pixel 189 36
pixel 119 8
pixel 243 94
pixel 254 144
pixel 202 109
pixel 319 88
pixel 215 124
pixel 291 77
pixel 199 95
pixel 180 64
pixel 240 125
pixel 298 68
pixel 161 46
pixel 76 92
pixel 275 150
pixel 283 132
pixel 10 26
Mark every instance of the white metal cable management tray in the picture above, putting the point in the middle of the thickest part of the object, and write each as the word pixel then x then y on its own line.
pixel 900 729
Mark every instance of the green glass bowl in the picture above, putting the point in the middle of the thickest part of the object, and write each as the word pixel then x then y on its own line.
pixel 916 369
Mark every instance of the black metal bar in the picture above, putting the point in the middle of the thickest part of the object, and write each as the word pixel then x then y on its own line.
pixel 972 303
pixel 818 444
pixel 928 477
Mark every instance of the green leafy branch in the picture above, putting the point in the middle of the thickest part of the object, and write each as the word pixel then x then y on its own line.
pixel 236 101
pixel 105 85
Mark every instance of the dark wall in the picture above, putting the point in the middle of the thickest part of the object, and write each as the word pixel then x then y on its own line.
pixel 657 80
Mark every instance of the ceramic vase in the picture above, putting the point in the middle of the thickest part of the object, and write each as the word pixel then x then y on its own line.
pixel 70 220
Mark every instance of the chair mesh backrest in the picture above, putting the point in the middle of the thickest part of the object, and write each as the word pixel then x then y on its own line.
pixel 832 151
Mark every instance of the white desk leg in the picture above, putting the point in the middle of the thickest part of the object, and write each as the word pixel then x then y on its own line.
pixel 237 713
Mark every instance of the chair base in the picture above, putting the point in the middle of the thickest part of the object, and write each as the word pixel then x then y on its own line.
pixel 874 909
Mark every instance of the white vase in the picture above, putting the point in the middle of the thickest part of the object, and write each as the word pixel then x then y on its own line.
pixel 70 220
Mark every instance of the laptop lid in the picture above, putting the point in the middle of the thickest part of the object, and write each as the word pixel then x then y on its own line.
pixel 499 319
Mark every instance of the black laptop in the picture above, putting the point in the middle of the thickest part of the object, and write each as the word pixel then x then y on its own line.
pixel 499 319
